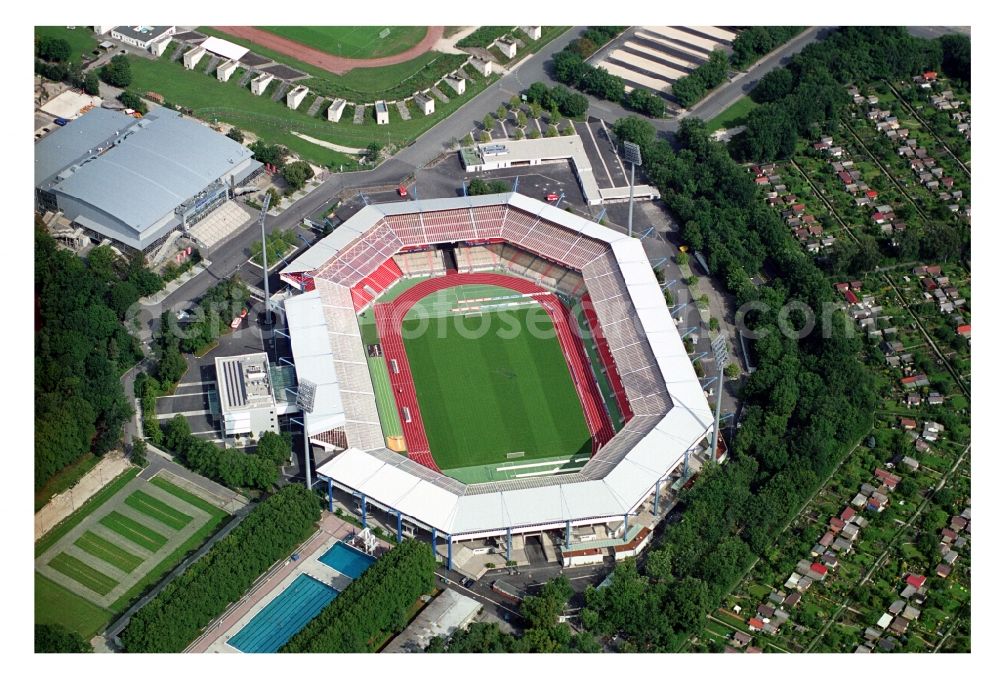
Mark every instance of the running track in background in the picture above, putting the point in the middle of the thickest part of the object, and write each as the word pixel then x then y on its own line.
pixel 389 318
pixel 335 64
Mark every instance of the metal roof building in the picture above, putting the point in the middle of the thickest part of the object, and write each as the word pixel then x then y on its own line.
pixel 671 413
pixel 135 180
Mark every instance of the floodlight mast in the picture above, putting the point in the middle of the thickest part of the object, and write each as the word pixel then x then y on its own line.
pixel 263 253
pixel 633 155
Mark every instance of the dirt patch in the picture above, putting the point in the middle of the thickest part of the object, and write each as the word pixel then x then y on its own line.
pixel 335 64
pixel 65 503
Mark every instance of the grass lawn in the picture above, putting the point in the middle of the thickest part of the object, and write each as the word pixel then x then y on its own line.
pixel 384 401
pixel 355 42
pixel 157 509
pixel 108 551
pixel 83 512
pixel 733 116
pixel 55 605
pixel 89 577
pixel 485 394
pixel 64 479
pixel 81 39
pixel 145 537
pixel 273 121
pixel 190 498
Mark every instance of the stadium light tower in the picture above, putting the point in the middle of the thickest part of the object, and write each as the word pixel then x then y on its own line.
pixel 633 155
pixel 721 351
pixel 268 316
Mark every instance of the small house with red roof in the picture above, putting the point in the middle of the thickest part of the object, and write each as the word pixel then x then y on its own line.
pixel 847 514
pixel 915 580
pixel 756 624
pixel 965 330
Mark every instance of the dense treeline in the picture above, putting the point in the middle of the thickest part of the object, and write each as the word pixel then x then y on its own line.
pixel 570 67
pixel 373 607
pixel 756 41
pixel 808 99
pixel 229 466
pixel 544 632
pixel 690 89
pixel 81 350
pixel 188 603
pixel 557 99
pixel 806 405
pixel 53 638
pixel 956 57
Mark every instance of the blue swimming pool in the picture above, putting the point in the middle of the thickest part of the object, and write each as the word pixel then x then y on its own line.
pixel 284 616
pixel 347 560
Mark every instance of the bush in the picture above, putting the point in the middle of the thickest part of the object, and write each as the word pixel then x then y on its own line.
pixel 117 72
pixel 235 134
pixel 133 101
pixel 53 638
pixel 296 174
pixel 91 84
pixel 52 49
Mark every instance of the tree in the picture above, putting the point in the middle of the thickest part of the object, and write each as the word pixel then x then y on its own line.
pixel 501 113
pixel 688 90
pixel 275 447
pixel 956 56
pixel 52 49
pixel 551 131
pixel 522 119
pixel 117 72
pixel 732 370
pixel 774 86
pixel 296 174
pixel 488 122
pixel 53 638
pixel 518 134
pixel 636 130
pixel 91 84
pixel 139 452
pixel 132 100
pixel 235 134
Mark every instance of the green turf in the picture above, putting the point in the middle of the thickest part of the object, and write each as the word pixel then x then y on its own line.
pixel 190 498
pixel 81 39
pixel 355 42
pixel 108 551
pixel 74 519
pixel 512 469
pixel 485 393
pixel 145 503
pixel 56 605
pixel 145 537
pixel 384 401
pixel 733 116
pixel 89 577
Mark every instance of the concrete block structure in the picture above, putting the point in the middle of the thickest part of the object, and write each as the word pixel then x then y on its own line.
pixel 225 71
pixel 336 110
pixel 424 103
pixel 193 56
pixel 482 66
pixel 141 36
pixel 381 113
pixel 507 47
pixel 296 96
pixel 260 83
pixel 456 82
pixel 533 32
pixel 157 48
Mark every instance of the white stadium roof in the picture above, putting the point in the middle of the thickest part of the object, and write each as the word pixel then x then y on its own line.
pixel 225 48
pixel 671 413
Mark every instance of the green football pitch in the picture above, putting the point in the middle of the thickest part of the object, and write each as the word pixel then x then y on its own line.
pixel 487 391
pixel 354 42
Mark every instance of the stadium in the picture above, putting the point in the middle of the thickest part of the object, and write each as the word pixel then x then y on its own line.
pixel 479 371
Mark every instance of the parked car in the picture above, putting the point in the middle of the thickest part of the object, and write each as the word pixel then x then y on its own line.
pixel 551 197
pixel 468 583
pixel 61 121
pixel 402 191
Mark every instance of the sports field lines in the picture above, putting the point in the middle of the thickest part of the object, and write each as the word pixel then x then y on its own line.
pixel 89 577
pixel 145 537
pixel 157 509
pixel 108 552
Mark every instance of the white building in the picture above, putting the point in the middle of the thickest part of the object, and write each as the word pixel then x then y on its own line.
pixel 193 56
pixel 482 66
pixel 296 96
pixel 507 47
pixel 141 36
pixel 456 82
pixel 336 110
pixel 533 32
pixel 160 46
pixel 424 103
pixel 225 71
pixel 260 83
pixel 246 397
pixel 381 113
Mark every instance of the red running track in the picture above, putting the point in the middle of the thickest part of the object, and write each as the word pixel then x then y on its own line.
pixel 389 317
pixel 606 357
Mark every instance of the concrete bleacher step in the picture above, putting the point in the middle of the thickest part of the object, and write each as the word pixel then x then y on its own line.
pixel 661 59
pixel 247 76
pixel 213 63
pixel 439 94
pixel 359 113
pixel 404 112
pixel 314 108
pixel 645 67
pixel 280 92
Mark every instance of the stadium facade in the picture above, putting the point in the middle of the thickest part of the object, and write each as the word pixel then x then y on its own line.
pixel 134 181
pixel 669 415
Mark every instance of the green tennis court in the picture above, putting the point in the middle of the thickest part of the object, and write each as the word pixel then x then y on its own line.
pixel 490 388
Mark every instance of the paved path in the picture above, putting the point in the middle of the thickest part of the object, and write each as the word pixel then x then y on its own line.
pixel 335 64
pixel 62 505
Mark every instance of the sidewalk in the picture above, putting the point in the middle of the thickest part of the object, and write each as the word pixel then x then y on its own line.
pixel 160 296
